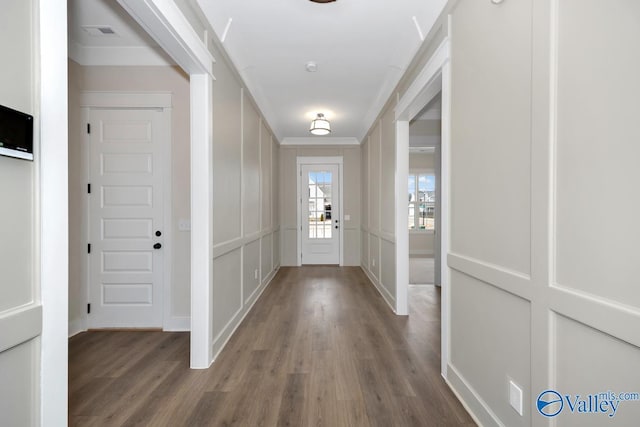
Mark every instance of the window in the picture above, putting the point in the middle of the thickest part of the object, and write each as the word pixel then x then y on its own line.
pixel 422 201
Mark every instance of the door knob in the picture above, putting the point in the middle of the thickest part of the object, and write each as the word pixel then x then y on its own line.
pixel 157 246
pixel 158 233
pixel 336 226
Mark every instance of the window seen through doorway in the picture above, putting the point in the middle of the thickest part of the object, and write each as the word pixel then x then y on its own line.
pixel 422 199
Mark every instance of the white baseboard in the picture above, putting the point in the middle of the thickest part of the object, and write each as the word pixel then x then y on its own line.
pixel 177 324
pixel 470 399
pixel 77 325
pixel 223 338
pixel 389 299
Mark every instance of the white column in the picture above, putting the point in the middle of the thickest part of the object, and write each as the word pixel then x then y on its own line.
pixel 52 163
pixel 201 220
pixel 402 220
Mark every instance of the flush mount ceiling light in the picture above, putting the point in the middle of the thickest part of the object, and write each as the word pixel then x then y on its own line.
pixel 320 125
pixel 322 1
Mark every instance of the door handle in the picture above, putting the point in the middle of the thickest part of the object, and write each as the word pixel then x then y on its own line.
pixel 336 226
pixel 157 246
pixel 158 233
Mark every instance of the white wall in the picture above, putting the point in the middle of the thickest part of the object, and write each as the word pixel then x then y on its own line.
pixel 378 205
pixel 543 218
pixel 20 312
pixel 351 198
pixel 246 224
pixel 132 79
pixel 544 224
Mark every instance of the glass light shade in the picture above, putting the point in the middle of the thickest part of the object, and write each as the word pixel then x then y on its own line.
pixel 320 125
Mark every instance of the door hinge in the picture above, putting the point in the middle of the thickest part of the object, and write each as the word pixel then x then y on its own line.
pixel 88 127
pixel 89 248
pixel 89 308
pixel 89 188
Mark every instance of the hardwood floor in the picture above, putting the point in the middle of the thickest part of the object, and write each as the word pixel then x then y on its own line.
pixel 320 348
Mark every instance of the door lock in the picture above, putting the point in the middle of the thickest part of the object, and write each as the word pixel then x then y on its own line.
pixel 158 233
pixel 157 246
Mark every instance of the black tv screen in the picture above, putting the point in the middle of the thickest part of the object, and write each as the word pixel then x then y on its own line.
pixel 16 134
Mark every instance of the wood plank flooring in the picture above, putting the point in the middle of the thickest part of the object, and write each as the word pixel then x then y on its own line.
pixel 320 348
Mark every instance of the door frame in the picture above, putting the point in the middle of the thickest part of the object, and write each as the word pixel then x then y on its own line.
pixel 434 78
pixel 134 100
pixel 307 160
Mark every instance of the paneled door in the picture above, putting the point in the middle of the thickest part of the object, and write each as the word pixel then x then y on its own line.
pixel 320 214
pixel 125 218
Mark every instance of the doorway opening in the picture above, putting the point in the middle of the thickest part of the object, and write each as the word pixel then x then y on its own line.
pixel 425 133
pixel 320 231
pixel 430 89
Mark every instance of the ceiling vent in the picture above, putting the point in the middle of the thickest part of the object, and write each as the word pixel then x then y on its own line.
pixel 99 30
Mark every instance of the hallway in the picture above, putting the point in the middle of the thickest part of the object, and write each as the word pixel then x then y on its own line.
pixel 320 347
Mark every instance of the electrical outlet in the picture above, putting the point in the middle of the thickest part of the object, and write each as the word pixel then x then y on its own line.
pixel 255 274
pixel 515 397
pixel 373 262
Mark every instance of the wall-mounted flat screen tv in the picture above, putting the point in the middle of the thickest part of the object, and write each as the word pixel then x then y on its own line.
pixel 16 134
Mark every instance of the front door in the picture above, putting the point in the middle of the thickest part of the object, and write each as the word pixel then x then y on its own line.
pixel 320 220
pixel 125 218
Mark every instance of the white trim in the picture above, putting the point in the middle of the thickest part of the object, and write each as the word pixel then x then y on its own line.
pixel 418 95
pixel 445 213
pixel 20 325
pixel 177 324
pixel 384 293
pixel 120 100
pixel 77 325
pixel 118 55
pixel 51 213
pixel 319 140
pixel 459 396
pixel 423 149
pixel 201 214
pixel 477 408
pixel 434 78
pixel 166 24
pixel 247 310
pixel 402 219
pixel 312 160
pixel 421 142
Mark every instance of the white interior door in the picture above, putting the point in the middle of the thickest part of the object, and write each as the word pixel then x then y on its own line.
pixel 125 218
pixel 320 214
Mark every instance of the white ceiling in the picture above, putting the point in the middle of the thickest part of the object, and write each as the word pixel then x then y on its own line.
pixel 130 45
pixel 361 47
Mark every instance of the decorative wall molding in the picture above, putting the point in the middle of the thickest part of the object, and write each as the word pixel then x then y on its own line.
pixel 20 325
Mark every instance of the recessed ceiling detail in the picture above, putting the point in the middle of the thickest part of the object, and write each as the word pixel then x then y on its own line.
pixel 361 48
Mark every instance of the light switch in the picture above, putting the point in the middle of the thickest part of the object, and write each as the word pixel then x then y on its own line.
pixel 347 217
pixel 184 225
pixel 515 397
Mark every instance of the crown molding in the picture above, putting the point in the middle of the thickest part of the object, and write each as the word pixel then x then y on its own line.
pixel 319 140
